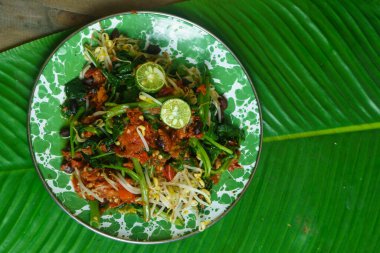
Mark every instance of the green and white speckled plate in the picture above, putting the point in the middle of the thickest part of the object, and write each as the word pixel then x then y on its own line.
pixel 184 41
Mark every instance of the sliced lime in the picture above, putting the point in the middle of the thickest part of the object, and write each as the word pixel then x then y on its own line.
pixel 175 113
pixel 150 77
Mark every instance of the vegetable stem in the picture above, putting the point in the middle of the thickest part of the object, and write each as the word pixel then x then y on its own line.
pixel 102 155
pixel 72 136
pixel 202 155
pixel 143 187
pixel 91 129
pixel 204 99
pixel 226 164
pixel 72 132
pixel 129 172
pixel 94 213
pixel 118 109
pixel 219 146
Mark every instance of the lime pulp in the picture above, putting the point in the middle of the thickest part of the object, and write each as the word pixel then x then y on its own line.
pixel 175 113
pixel 150 77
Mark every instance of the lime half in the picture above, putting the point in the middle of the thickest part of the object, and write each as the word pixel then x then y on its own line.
pixel 175 113
pixel 150 77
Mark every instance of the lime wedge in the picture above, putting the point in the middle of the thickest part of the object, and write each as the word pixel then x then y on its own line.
pixel 150 77
pixel 175 113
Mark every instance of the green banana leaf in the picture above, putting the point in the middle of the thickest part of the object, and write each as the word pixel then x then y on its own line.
pixel 315 66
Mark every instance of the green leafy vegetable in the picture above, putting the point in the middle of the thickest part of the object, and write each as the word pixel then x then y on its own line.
pixel 143 187
pixel 75 89
pixel 230 132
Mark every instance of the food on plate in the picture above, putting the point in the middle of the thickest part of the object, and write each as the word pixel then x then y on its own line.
pixel 146 133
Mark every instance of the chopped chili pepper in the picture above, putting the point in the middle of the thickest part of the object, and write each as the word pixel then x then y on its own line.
pixel 202 89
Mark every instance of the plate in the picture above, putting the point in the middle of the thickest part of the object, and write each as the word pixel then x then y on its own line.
pixel 184 41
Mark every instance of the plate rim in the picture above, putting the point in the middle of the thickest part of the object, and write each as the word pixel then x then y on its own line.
pixel 36 165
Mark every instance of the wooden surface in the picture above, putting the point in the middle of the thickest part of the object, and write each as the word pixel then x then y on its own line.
pixel 23 20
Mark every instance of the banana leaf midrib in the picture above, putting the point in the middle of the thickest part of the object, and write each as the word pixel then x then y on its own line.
pixel 329 131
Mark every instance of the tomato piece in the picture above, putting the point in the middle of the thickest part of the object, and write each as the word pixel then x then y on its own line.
pixel 125 195
pixel 165 91
pixel 215 178
pixel 202 89
pixel 168 172
pixel 234 165
pixel 96 74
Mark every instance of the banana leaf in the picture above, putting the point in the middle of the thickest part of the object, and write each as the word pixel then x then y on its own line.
pixel 315 66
